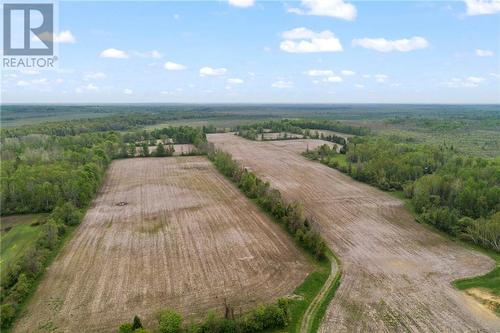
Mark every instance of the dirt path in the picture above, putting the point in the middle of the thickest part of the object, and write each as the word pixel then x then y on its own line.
pixel 311 312
pixel 396 273
pixel 187 239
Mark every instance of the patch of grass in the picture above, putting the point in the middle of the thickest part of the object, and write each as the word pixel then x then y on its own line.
pixel 19 238
pixel 489 282
pixel 321 310
pixel 340 159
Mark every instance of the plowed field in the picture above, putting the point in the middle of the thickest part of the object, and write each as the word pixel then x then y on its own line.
pixel 183 237
pixel 396 272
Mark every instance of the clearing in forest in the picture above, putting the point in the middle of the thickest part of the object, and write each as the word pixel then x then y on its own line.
pixel 164 232
pixel 396 272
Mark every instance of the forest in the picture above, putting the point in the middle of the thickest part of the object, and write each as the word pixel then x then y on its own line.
pixel 458 194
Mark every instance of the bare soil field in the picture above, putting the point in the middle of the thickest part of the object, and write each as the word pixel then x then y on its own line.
pixel 328 132
pixel 278 135
pixel 179 149
pixel 186 239
pixel 396 272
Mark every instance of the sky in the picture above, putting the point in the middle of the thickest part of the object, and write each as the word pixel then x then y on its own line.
pixel 247 51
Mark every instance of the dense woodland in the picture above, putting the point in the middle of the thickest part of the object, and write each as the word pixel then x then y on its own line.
pixel 59 174
pixel 457 194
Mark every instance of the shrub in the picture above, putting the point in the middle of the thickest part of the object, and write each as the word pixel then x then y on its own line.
pixel 169 322
pixel 7 315
pixel 136 323
pixel 125 328
pixel 67 214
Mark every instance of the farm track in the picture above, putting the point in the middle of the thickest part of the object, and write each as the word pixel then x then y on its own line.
pixel 312 310
pixel 396 273
pixel 187 239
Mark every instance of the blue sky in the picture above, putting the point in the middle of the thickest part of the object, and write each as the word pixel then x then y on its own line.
pixel 310 51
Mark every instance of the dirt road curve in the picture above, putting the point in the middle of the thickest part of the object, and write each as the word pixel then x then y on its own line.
pixel 187 239
pixel 396 273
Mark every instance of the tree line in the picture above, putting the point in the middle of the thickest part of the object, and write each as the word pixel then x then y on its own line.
pixel 290 215
pixel 298 126
pixel 457 194
pixel 263 318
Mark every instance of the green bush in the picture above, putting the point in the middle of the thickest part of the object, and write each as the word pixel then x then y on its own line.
pixel 67 214
pixel 169 322
pixel 125 328
pixel 7 315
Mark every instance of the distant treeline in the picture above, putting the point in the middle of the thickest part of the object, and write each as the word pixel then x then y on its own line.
pixel 290 215
pixel 299 126
pixel 263 318
pixel 458 194
pixel 101 124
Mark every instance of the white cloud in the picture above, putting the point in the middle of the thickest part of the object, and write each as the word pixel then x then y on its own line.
pixel 331 8
pixel 482 7
pixel 114 53
pixel 41 81
pixel 359 86
pixel 155 54
pixel 335 79
pixel 495 75
pixel 302 40
pixel 172 66
pixel 64 37
pixel 235 81
pixel 30 71
pixel 59 81
pixel 282 84
pixel 381 78
pixel 385 45
pixel 474 79
pixel 484 53
pixel 469 82
pixel 347 72
pixel 241 3
pixel 23 83
pixel 177 17
pixel 88 87
pixel 366 76
pixel 209 71
pixel 319 72
pixel 128 91
pixel 94 76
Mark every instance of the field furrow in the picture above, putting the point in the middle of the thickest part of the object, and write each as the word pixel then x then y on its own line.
pixel 185 239
pixel 396 272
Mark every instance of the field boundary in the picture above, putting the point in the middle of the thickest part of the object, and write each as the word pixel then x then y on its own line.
pixel 316 311
pixel 311 318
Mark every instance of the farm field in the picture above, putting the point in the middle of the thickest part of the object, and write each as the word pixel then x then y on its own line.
pixel 277 136
pixel 179 149
pixel 181 236
pixel 397 274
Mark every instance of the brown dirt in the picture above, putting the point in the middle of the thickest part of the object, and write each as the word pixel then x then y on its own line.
pixel 186 239
pixel 396 272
